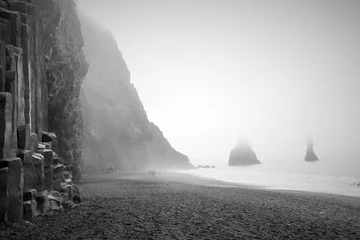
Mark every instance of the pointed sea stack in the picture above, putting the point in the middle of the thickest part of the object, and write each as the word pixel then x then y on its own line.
pixel 310 154
pixel 242 155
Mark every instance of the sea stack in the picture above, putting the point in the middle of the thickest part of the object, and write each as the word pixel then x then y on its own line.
pixel 310 154
pixel 242 155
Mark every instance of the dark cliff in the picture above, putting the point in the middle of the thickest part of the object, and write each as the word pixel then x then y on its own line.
pixel 65 69
pixel 117 132
pixel 41 69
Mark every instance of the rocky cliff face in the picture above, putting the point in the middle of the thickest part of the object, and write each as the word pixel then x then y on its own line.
pixel 65 69
pixel 117 132
pixel 41 69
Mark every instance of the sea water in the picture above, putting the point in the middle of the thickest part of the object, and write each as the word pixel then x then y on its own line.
pixel 322 176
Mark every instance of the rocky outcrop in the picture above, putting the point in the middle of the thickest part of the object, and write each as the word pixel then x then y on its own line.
pixel 117 132
pixel 242 154
pixel 65 69
pixel 310 154
pixel 41 68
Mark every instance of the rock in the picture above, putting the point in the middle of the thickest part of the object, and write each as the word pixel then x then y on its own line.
pixel 23 135
pixel 29 195
pixel 42 200
pixel 68 181
pixel 54 206
pixel 67 175
pixel 67 189
pixel 55 196
pixel 4 194
pixel 55 158
pixel 34 173
pixel 68 204
pixel 48 154
pixel 310 154
pixel 6 108
pixel 33 142
pixel 25 156
pixel 65 197
pixel 41 146
pixel 16 183
pixel 77 199
pixel 30 209
pixel 58 176
pixel 242 154
pixel 48 137
pixel 48 178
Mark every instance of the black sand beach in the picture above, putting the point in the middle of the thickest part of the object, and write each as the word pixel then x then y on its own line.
pixel 178 206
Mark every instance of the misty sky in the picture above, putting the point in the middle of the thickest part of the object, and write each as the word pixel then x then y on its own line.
pixel 276 72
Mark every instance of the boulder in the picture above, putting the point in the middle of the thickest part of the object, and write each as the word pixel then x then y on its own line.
pixel 23 135
pixel 54 206
pixel 55 196
pixel 4 194
pixel 30 209
pixel 68 175
pixel 48 137
pixel 42 200
pixel 16 183
pixel 58 176
pixel 55 158
pixel 76 194
pixel 242 155
pixel 68 181
pixel 48 154
pixel 29 195
pixel 69 205
pixel 65 197
pixel 66 188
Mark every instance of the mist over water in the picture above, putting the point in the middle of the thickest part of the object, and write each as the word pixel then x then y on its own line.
pixel 323 176
pixel 272 72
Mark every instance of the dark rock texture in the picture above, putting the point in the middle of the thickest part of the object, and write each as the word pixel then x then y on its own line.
pixel 310 154
pixel 242 154
pixel 117 132
pixel 65 69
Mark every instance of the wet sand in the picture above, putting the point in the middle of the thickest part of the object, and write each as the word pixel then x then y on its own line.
pixel 180 206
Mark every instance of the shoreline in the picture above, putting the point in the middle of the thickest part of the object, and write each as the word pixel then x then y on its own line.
pixel 180 206
pixel 187 178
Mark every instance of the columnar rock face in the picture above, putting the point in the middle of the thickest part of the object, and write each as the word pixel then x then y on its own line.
pixel 117 132
pixel 310 154
pixel 242 154
pixel 41 68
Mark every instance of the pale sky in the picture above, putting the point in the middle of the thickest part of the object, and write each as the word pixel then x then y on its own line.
pixel 276 72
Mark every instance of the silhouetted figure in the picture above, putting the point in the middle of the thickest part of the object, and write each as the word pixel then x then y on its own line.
pixel 310 154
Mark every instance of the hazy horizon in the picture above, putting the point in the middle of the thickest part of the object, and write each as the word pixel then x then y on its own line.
pixel 274 72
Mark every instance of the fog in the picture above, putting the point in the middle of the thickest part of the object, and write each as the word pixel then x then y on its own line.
pixel 273 72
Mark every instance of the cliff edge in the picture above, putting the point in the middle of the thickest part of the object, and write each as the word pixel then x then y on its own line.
pixel 117 132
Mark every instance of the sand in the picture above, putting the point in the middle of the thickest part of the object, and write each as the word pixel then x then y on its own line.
pixel 180 206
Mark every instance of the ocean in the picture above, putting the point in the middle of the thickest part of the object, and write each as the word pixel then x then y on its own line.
pixel 322 176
